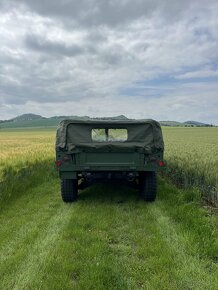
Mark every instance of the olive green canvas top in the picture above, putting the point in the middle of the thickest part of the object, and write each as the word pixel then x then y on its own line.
pixel 143 135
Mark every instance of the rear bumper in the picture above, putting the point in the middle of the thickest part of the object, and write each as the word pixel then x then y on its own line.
pixel 118 172
pixel 73 164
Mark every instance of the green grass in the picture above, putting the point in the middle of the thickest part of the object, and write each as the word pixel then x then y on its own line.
pixel 109 239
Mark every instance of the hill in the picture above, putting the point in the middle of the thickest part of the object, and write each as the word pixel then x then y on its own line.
pixel 194 123
pixel 36 122
pixel 171 123
pixel 184 124
pixel 33 120
pixel 27 117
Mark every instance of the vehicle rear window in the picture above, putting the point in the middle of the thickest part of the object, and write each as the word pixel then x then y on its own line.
pixel 109 135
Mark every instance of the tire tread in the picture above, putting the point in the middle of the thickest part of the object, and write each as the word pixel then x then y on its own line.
pixel 148 186
pixel 69 190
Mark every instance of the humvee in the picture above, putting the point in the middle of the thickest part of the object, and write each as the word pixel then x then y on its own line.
pixel 96 149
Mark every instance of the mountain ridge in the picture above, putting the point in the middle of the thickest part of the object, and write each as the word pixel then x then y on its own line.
pixel 35 120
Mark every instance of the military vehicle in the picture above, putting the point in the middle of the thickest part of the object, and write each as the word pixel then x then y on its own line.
pixel 99 149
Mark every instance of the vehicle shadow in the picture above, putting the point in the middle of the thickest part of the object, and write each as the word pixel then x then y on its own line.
pixel 109 192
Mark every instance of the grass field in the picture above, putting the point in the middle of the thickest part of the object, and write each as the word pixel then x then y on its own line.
pixel 109 239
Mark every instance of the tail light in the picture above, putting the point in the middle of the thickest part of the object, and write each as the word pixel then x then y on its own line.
pixel 161 163
pixel 58 163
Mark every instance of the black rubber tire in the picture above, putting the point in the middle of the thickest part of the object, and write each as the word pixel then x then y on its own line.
pixel 148 185
pixel 69 190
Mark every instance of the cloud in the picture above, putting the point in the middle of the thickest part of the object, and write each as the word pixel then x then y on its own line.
pixel 203 73
pixel 104 57
pixel 183 102
pixel 98 12
pixel 42 45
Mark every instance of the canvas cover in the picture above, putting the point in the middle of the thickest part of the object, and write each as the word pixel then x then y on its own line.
pixel 143 135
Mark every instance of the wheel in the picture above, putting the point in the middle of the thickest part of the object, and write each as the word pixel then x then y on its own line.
pixel 148 185
pixel 69 190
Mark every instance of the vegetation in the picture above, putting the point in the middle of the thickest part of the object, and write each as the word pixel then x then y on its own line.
pixel 192 159
pixel 110 238
pixel 26 159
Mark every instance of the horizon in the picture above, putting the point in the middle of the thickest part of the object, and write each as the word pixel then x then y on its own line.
pixel 82 116
pixel 154 59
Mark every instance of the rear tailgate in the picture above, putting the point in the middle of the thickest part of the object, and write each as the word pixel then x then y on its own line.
pixel 109 160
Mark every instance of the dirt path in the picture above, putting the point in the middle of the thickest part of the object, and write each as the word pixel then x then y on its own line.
pixel 109 240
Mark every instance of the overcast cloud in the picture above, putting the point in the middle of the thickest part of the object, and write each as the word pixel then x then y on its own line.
pixel 143 58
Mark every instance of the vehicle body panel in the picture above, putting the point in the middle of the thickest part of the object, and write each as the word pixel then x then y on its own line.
pixel 78 153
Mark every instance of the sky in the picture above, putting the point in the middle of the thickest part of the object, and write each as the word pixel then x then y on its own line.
pixel 143 58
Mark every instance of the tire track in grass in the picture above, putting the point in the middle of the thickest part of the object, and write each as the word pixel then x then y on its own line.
pixel 191 272
pixel 155 252
pixel 140 250
pixel 131 250
pixel 34 266
pixel 100 243
pixel 19 223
